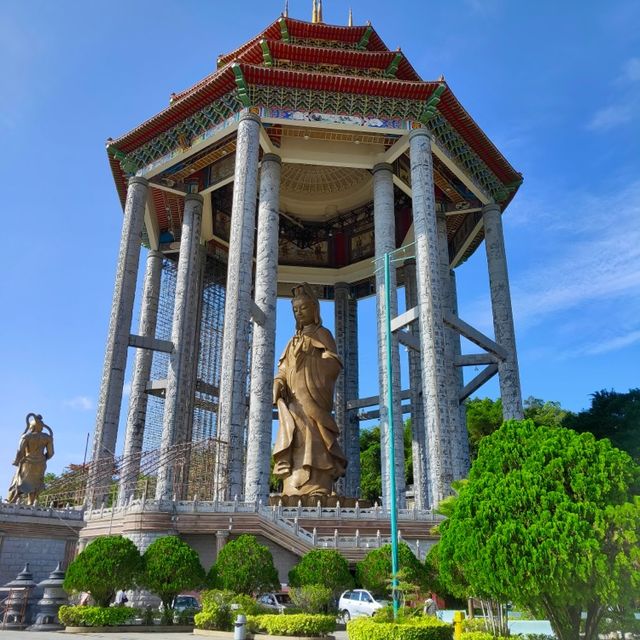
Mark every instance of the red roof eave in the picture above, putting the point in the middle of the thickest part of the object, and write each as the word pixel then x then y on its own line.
pixel 391 88
pixel 223 81
pixel 465 125
pixel 212 87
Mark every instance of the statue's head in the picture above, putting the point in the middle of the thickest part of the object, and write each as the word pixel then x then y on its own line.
pixel 306 308
pixel 36 424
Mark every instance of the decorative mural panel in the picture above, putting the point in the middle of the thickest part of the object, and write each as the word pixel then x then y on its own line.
pixel 316 255
pixel 362 246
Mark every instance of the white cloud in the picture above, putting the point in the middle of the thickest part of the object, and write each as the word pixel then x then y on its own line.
pixel 612 116
pixel 79 403
pixel 614 344
pixel 631 70
pixel 624 107
pixel 580 289
pixel 599 258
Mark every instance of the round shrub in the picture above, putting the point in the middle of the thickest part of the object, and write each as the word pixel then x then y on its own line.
pixel 374 571
pixel 106 565
pixel 96 616
pixel 246 566
pixel 322 566
pixel 216 618
pixel 219 609
pixel 171 566
pixel 313 598
pixel 298 624
pixel 425 628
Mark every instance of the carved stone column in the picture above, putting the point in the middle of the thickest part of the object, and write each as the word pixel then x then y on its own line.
pixel 237 311
pixel 419 447
pixel 431 307
pixel 178 404
pixel 221 539
pixel 115 359
pixel 134 434
pixel 346 330
pixel 458 436
pixel 264 335
pixel 508 372
pixel 385 241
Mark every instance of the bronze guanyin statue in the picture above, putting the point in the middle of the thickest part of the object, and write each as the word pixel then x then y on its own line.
pixel 34 449
pixel 307 456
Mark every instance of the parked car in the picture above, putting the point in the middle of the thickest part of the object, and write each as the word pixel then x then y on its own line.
pixel 275 601
pixel 359 602
pixel 184 603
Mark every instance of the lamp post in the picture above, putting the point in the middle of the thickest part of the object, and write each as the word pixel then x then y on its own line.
pixel 392 453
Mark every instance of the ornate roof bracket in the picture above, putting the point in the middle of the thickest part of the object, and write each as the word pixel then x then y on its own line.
pixel 432 104
pixel 266 53
pixel 392 70
pixel 126 165
pixel 284 31
pixel 364 41
pixel 241 83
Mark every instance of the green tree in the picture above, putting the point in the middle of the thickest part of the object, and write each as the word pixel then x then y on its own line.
pixel 549 519
pixel 325 567
pixel 246 566
pixel 370 482
pixel 106 565
pixel 548 413
pixel 484 416
pixel 612 415
pixel 370 462
pixel 171 566
pixel 373 572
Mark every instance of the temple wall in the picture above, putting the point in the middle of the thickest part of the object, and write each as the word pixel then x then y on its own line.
pixel 41 537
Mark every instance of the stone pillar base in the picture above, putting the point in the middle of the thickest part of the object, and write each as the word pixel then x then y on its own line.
pixel 325 501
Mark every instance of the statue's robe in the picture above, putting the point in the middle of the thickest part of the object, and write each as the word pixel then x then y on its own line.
pixel 307 455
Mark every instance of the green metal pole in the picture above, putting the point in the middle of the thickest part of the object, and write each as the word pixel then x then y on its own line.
pixel 392 453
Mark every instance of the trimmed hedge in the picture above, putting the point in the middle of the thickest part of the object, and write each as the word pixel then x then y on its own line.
pixel 216 618
pixel 411 629
pixel 96 616
pixel 298 624
pixel 477 635
pixel 217 613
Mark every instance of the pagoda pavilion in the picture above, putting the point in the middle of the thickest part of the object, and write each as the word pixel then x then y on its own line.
pixel 310 152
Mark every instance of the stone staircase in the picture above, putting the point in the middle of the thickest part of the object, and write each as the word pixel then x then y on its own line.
pixel 352 531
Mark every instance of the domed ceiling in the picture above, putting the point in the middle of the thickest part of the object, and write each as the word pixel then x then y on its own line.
pixel 314 192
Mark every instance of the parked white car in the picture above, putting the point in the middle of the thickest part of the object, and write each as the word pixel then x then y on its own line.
pixel 359 602
pixel 275 601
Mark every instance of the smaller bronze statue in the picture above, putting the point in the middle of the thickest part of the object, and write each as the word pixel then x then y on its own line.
pixel 307 455
pixel 34 449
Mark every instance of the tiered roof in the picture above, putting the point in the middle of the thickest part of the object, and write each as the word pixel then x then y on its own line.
pixel 317 60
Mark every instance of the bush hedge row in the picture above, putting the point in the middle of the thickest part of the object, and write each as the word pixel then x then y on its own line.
pixel 299 624
pixel 477 635
pixel 96 616
pixel 411 629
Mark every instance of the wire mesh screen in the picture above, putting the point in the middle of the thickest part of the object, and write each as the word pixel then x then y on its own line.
pixel 160 362
pixel 205 412
pixel 195 463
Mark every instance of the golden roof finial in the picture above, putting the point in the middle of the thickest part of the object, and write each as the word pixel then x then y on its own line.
pixel 320 11
pixel 286 9
pixel 350 22
pixel 314 12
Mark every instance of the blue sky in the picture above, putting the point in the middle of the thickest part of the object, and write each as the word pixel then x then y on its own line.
pixel 556 85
